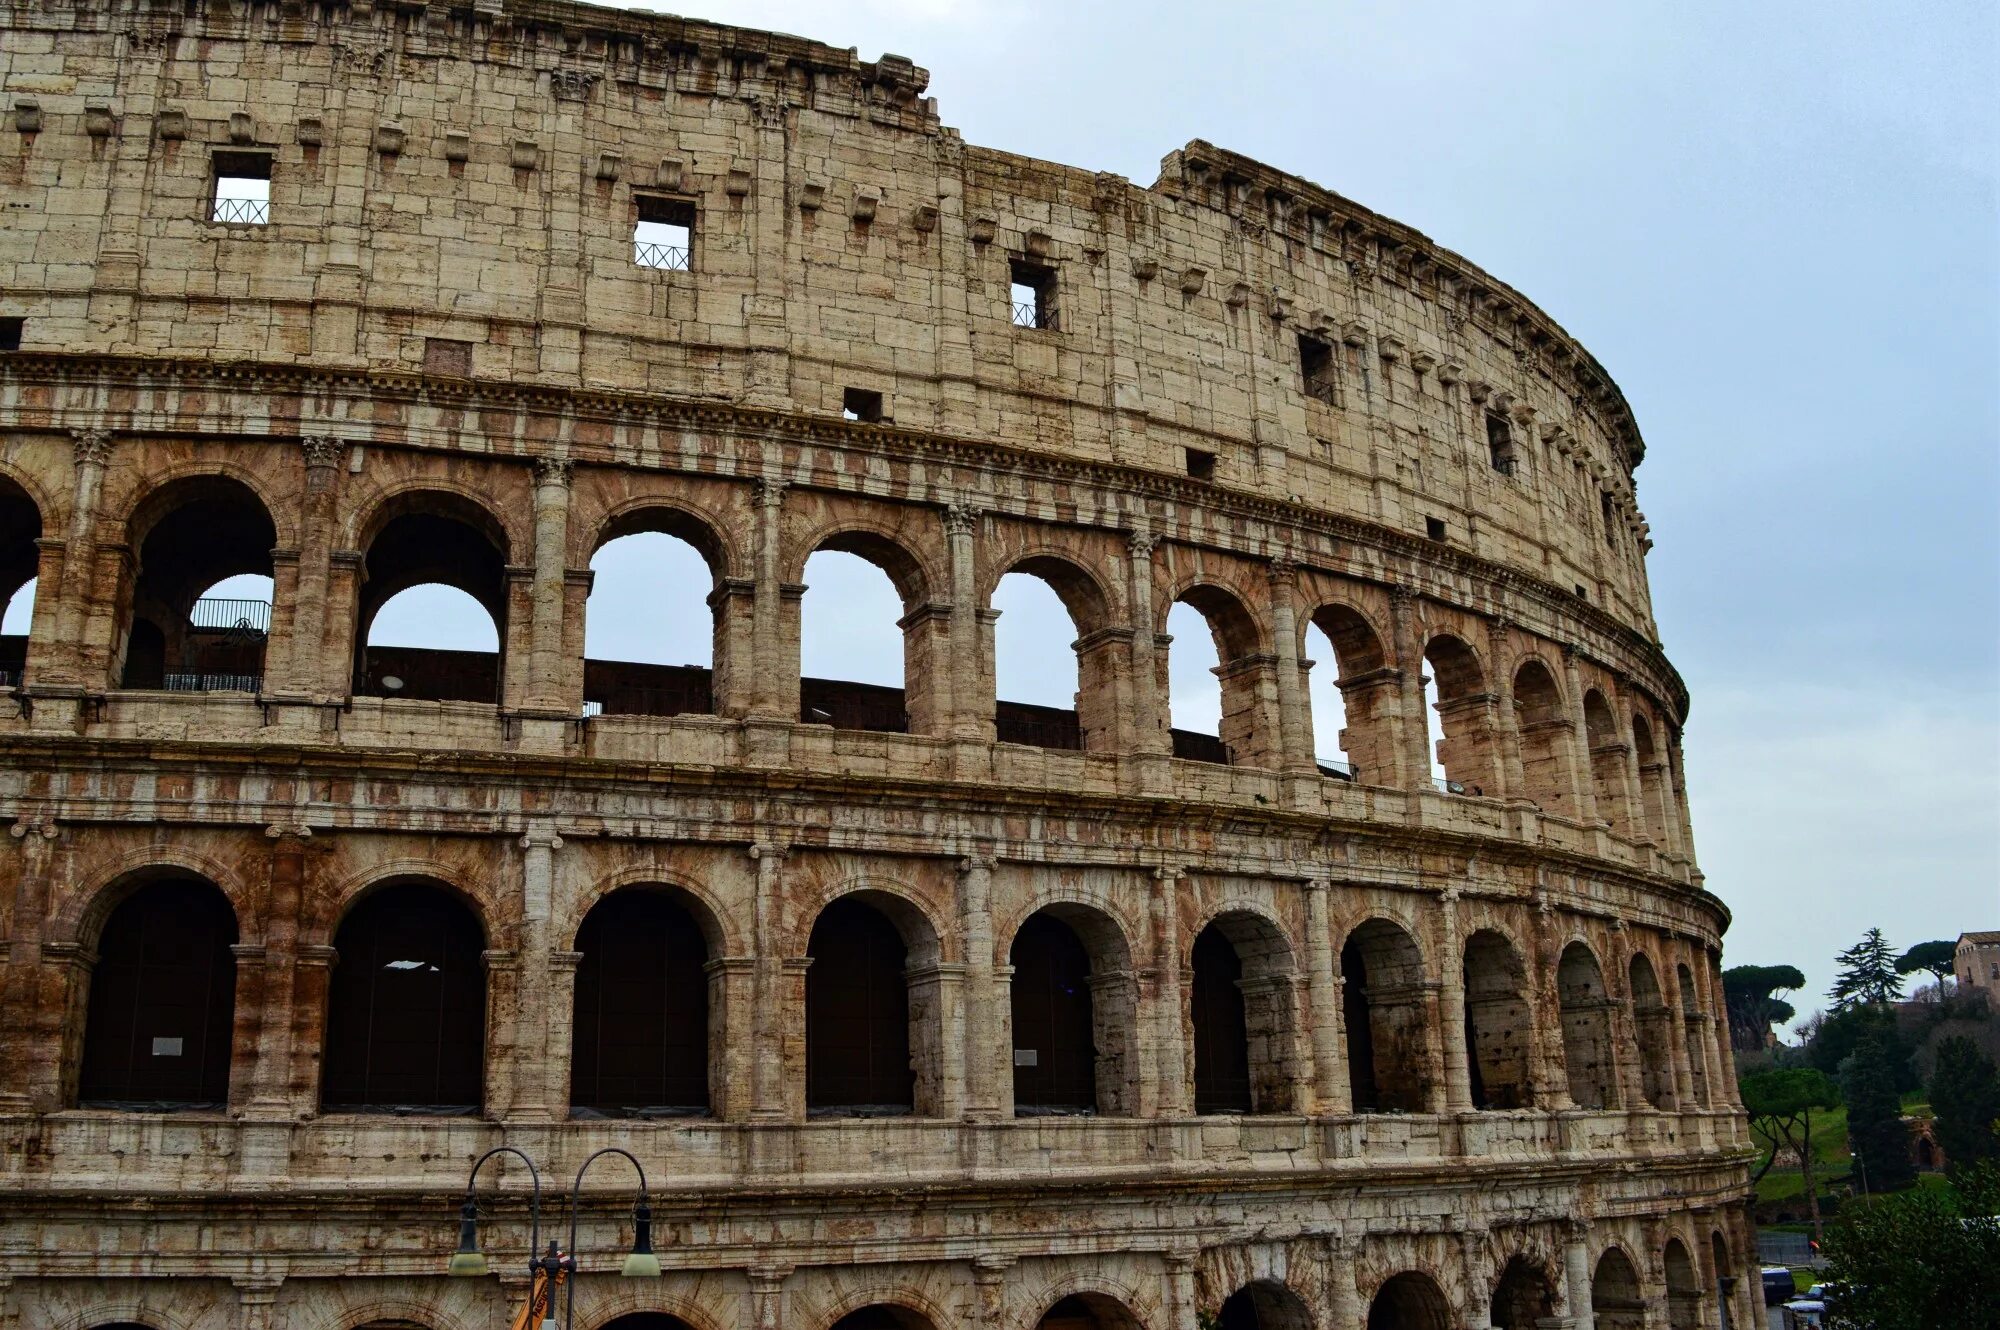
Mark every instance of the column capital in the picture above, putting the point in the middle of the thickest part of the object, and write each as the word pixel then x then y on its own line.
pixel 960 519
pixel 766 1277
pixel 30 826
pixel 321 450
pixel 288 831
pixel 553 471
pixel 768 849
pixel 1282 572
pixel 541 838
pixel 91 446
pixel 1142 544
pixel 769 493
pixel 989 1267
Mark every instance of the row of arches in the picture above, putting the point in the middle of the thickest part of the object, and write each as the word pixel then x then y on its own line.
pixel 406 1009
pixel 1524 1294
pixel 441 599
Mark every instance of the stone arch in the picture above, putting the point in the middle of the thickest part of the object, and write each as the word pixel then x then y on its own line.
pixel 334 902
pixel 1542 721
pixel 1652 816
pixel 1616 1296
pixel 1525 1295
pixel 1370 691
pixel 611 1310
pixel 406 1011
pixel 1589 1057
pixel 187 533
pixel 1499 1022
pixel 396 1313
pixel 22 525
pixel 121 1313
pixel 703 530
pixel 1695 1031
pixel 1684 1297
pixel 81 916
pixel 1409 1300
pixel 1243 1009
pixel 1463 733
pixel 874 1020
pixel 422 534
pixel 1721 1268
pixel 634 684
pixel 1264 1304
pixel 883 1316
pixel 1074 995
pixel 1386 1010
pixel 925 637
pixel 1652 1021
pixel 1608 754
pixel 1073 1304
pixel 719 931
pixel 1100 655
pixel 646 1000
pixel 916 578
pixel 1245 666
pixel 916 919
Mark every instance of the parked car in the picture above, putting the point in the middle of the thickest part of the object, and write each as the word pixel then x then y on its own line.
pixel 1779 1286
pixel 1805 1314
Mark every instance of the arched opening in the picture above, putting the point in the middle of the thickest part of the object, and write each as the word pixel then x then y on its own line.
pixel 431 644
pixel 1499 1029
pixel 1462 734
pixel 1615 1296
pixel 1038 698
pixel 1724 1274
pixel 1356 716
pixel 406 1005
pixel 1653 813
pixel 199 611
pixel 1608 752
pixel 1243 1017
pixel 1388 1030
pixel 1683 1288
pixel 1088 1311
pixel 20 557
pixel 882 1316
pixel 639 1032
pixel 1588 1057
pixel 652 635
pixel 1409 1301
pixel 1263 1304
pixel 1651 1019
pixel 854 673
pixel 162 1000
pixel 1524 1297
pixel 857 1014
pixel 1544 729
pixel 1073 1009
pixel 647 1321
pixel 1695 1031
pixel 1221 688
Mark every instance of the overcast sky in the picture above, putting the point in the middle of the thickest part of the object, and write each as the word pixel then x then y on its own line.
pixel 1775 224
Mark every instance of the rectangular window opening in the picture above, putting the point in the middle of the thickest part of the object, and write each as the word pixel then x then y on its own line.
pixel 1200 465
pixel 10 333
pixel 861 404
pixel 1500 444
pixel 663 235
pixel 1032 294
pixel 1582 593
pixel 242 188
pixel 1434 528
pixel 1316 364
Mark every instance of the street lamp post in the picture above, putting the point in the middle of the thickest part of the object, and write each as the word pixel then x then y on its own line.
pixel 470 1262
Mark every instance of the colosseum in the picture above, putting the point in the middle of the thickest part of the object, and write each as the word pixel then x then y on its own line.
pixel 921 1009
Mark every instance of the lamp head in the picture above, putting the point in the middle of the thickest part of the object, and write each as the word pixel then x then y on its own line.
pixel 468 1260
pixel 642 1263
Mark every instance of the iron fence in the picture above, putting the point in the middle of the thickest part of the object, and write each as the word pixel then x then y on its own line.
pixel 673 258
pixel 254 212
pixel 213 683
pixel 1032 314
pixel 250 616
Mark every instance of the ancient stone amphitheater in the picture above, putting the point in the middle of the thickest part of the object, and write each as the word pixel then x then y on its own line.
pixel 920 1010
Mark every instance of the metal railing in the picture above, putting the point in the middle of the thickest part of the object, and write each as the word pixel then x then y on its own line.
pixel 673 258
pixel 250 616
pixel 253 212
pixel 1336 768
pixel 213 683
pixel 1033 314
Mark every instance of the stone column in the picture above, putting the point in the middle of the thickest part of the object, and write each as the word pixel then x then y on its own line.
pixel 1149 707
pixel 767 1296
pixel 1551 1070
pixel 256 1300
pixel 270 1090
pixel 545 668
pixel 1332 1091
pixel 767 1099
pixel 989 1283
pixel 1169 1033
pixel 1577 1273
pixel 26 1026
pixel 1506 722
pixel 1478 1280
pixel 1457 1073
pixel 539 1066
pixel 1295 736
pixel 971 694
pixel 307 667
pixel 1177 1298
pixel 1410 660
pixel 1582 782
pixel 1629 1084
pixel 1709 975
pixel 44 648
pixel 309 996
pixel 504 1068
pixel 1677 1042
pixel 776 688
pixel 983 1050
pixel 64 662
pixel 1343 1299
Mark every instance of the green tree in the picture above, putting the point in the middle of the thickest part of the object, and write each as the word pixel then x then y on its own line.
pixel 1751 994
pixel 1875 1130
pixel 1867 974
pixel 1922 1260
pixel 1834 1038
pixel 1781 1106
pixel 1965 1095
pixel 1931 958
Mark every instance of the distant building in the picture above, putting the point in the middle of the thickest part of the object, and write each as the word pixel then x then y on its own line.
pixel 1976 963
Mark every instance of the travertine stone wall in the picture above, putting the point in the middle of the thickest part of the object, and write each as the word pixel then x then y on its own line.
pixel 442 318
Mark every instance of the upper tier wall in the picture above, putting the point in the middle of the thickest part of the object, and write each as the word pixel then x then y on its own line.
pixel 472 173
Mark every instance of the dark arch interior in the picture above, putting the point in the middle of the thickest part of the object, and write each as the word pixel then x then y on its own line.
pixel 647 1321
pixel 1088 1311
pixel 1409 1301
pixel 1615 1294
pixel 639 1037
pixel 1523 1298
pixel 1221 1030
pixel 1497 1022
pixel 882 1316
pixel 20 528
pixel 162 999
pixel 198 532
pixel 1264 1304
pixel 406 1005
pixel 1586 1027
pixel 1055 1052
pixel 857 1013
pixel 433 539
pixel 1382 1002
